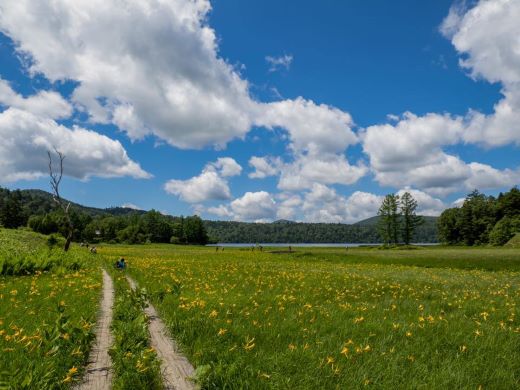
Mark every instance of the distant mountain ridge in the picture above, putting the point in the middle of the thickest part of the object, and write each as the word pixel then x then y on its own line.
pixel 40 202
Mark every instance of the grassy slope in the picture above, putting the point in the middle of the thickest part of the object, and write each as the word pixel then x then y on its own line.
pixel 46 318
pixel 328 318
pixel 514 242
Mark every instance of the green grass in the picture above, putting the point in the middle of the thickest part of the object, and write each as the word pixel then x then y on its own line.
pixel 47 315
pixel 46 327
pixel 24 253
pixel 134 363
pixel 330 318
pixel 514 242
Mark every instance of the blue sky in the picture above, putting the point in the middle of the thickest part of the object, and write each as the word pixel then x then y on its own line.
pixel 261 110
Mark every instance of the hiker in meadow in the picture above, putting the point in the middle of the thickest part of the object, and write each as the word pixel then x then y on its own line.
pixel 120 264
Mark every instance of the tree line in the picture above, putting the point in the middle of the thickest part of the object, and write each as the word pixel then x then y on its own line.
pixel 295 232
pixel 35 210
pixel 398 219
pixel 482 219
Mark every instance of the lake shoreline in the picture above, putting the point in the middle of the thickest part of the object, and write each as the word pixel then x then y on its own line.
pixel 306 245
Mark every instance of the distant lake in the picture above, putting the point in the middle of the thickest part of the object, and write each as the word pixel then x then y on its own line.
pixel 304 245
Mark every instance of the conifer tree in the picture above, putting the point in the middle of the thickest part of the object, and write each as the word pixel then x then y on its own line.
pixel 11 211
pixel 410 220
pixel 389 220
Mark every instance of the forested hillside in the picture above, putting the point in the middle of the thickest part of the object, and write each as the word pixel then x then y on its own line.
pixel 284 231
pixel 41 202
pixel 35 208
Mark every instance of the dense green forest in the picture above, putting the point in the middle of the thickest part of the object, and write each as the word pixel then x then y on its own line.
pixel 482 219
pixel 36 209
pixel 285 231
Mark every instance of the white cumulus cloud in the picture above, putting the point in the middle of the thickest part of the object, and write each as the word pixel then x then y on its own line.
pixel 426 204
pixel 264 166
pixel 254 206
pixel 487 37
pixel 313 128
pixel 324 204
pixel 148 66
pixel 206 186
pixel 308 170
pixel 415 156
pixel 45 103
pixel 227 167
pixel 152 67
pixel 211 184
pixel 26 138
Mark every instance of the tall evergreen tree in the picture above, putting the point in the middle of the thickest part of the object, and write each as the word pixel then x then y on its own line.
pixel 389 220
pixel 409 217
pixel 11 212
pixel 477 218
pixel 508 204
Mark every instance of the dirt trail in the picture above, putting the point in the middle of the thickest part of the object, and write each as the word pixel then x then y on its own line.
pixel 176 369
pixel 98 375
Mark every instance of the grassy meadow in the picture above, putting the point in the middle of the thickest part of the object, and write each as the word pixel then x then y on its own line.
pixel 434 317
pixel 134 363
pixel 331 318
pixel 48 305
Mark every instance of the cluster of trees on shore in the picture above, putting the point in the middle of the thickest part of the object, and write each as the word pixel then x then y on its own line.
pixel 136 228
pixel 482 219
pixel 35 210
pixel 398 219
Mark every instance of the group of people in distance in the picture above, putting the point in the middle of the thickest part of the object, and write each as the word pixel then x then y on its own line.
pixel 120 264
pixel 92 249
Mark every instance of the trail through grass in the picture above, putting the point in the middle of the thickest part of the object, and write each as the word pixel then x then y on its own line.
pixel 177 372
pixel 135 363
pixel 99 369
pixel 329 319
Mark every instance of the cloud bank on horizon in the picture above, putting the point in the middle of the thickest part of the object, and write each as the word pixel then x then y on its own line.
pixel 152 69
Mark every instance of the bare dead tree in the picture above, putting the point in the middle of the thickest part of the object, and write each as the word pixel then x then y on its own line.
pixel 65 206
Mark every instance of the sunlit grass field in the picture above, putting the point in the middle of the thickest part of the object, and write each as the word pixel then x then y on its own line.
pixel 332 318
pixel 134 363
pixel 47 312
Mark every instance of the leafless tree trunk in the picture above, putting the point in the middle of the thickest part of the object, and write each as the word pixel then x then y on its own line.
pixel 55 185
